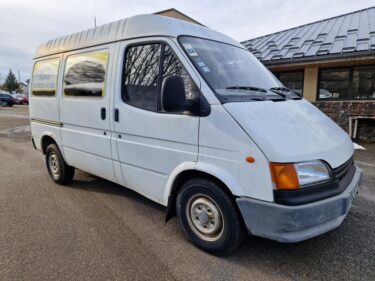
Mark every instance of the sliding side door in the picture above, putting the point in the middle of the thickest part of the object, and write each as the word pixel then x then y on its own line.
pixel 84 110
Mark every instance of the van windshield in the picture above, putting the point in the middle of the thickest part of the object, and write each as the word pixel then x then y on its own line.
pixel 232 72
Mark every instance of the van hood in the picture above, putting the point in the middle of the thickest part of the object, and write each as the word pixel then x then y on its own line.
pixel 292 131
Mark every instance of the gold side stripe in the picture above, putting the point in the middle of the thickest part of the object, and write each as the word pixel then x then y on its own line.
pixel 47 122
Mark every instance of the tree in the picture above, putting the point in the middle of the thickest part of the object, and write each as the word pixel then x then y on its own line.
pixel 11 83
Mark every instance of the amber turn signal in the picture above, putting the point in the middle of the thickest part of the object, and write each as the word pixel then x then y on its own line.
pixel 284 176
pixel 250 159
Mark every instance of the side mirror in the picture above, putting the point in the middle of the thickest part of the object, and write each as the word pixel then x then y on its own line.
pixel 173 94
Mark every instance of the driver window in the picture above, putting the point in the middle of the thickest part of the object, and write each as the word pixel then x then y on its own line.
pixel 142 81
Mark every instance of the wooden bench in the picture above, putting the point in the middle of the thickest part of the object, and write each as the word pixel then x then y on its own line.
pixel 353 134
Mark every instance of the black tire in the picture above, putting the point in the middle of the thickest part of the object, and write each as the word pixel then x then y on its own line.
pixel 226 239
pixel 63 173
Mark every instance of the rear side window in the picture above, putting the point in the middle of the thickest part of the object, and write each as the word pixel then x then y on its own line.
pixel 141 77
pixel 45 77
pixel 85 74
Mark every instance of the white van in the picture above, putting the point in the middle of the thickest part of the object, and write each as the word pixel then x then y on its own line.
pixel 187 117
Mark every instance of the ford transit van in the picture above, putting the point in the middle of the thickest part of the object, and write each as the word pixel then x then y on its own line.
pixel 189 118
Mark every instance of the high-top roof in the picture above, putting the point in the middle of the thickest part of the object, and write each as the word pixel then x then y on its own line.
pixel 133 27
pixel 346 35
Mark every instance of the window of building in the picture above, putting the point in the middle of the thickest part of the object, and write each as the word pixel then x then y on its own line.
pixel 352 83
pixel 85 74
pixel 293 80
pixel 45 77
pixel 142 79
pixel 363 85
pixel 334 84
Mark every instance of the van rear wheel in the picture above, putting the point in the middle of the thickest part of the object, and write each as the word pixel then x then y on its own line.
pixel 59 171
pixel 209 217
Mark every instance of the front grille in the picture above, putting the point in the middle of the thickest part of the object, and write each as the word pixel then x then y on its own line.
pixel 341 171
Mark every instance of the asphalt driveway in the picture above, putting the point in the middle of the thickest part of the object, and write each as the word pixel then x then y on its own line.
pixel 96 230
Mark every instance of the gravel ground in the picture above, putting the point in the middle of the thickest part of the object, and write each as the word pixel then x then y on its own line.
pixel 96 230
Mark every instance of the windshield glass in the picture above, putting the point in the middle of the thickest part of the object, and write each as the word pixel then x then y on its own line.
pixel 229 70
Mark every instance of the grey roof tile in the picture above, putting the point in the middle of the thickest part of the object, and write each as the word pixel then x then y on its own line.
pixel 340 35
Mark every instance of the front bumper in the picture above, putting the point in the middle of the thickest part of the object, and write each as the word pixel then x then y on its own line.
pixel 291 224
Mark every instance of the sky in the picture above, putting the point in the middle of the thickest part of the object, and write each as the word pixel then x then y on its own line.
pixel 24 24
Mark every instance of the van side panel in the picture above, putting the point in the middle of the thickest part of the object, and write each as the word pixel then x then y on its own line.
pixel 223 148
pixel 44 105
pixel 44 109
pixel 85 110
pixel 149 151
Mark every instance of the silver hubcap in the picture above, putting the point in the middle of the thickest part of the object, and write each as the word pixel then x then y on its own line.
pixel 54 165
pixel 205 217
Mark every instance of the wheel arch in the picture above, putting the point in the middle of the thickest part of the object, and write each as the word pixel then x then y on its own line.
pixel 46 140
pixel 179 177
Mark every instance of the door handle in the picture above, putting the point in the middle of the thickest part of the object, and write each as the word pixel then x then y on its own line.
pixel 116 115
pixel 103 113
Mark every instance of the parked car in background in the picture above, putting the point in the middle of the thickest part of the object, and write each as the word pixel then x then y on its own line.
pixel 21 99
pixel 7 99
pixel 17 100
pixel 25 100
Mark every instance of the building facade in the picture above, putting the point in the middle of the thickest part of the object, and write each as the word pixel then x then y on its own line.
pixel 331 62
pixel 173 13
pixel 24 88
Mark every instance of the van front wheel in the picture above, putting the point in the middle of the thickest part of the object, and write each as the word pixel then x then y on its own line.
pixel 59 171
pixel 209 217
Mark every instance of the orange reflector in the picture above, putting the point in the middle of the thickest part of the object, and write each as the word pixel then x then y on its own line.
pixel 250 159
pixel 284 176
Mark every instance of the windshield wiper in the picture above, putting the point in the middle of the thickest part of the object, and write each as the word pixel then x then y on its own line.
pixel 284 89
pixel 247 88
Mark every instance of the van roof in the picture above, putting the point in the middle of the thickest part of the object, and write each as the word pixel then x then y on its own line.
pixel 133 27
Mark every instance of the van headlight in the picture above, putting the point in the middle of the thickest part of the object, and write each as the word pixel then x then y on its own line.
pixel 298 175
pixel 312 172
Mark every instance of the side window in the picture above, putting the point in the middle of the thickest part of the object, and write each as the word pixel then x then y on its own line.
pixel 173 66
pixel 85 74
pixel 45 77
pixel 142 81
pixel 141 77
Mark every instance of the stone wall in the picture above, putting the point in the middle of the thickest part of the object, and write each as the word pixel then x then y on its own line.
pixel 340 111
